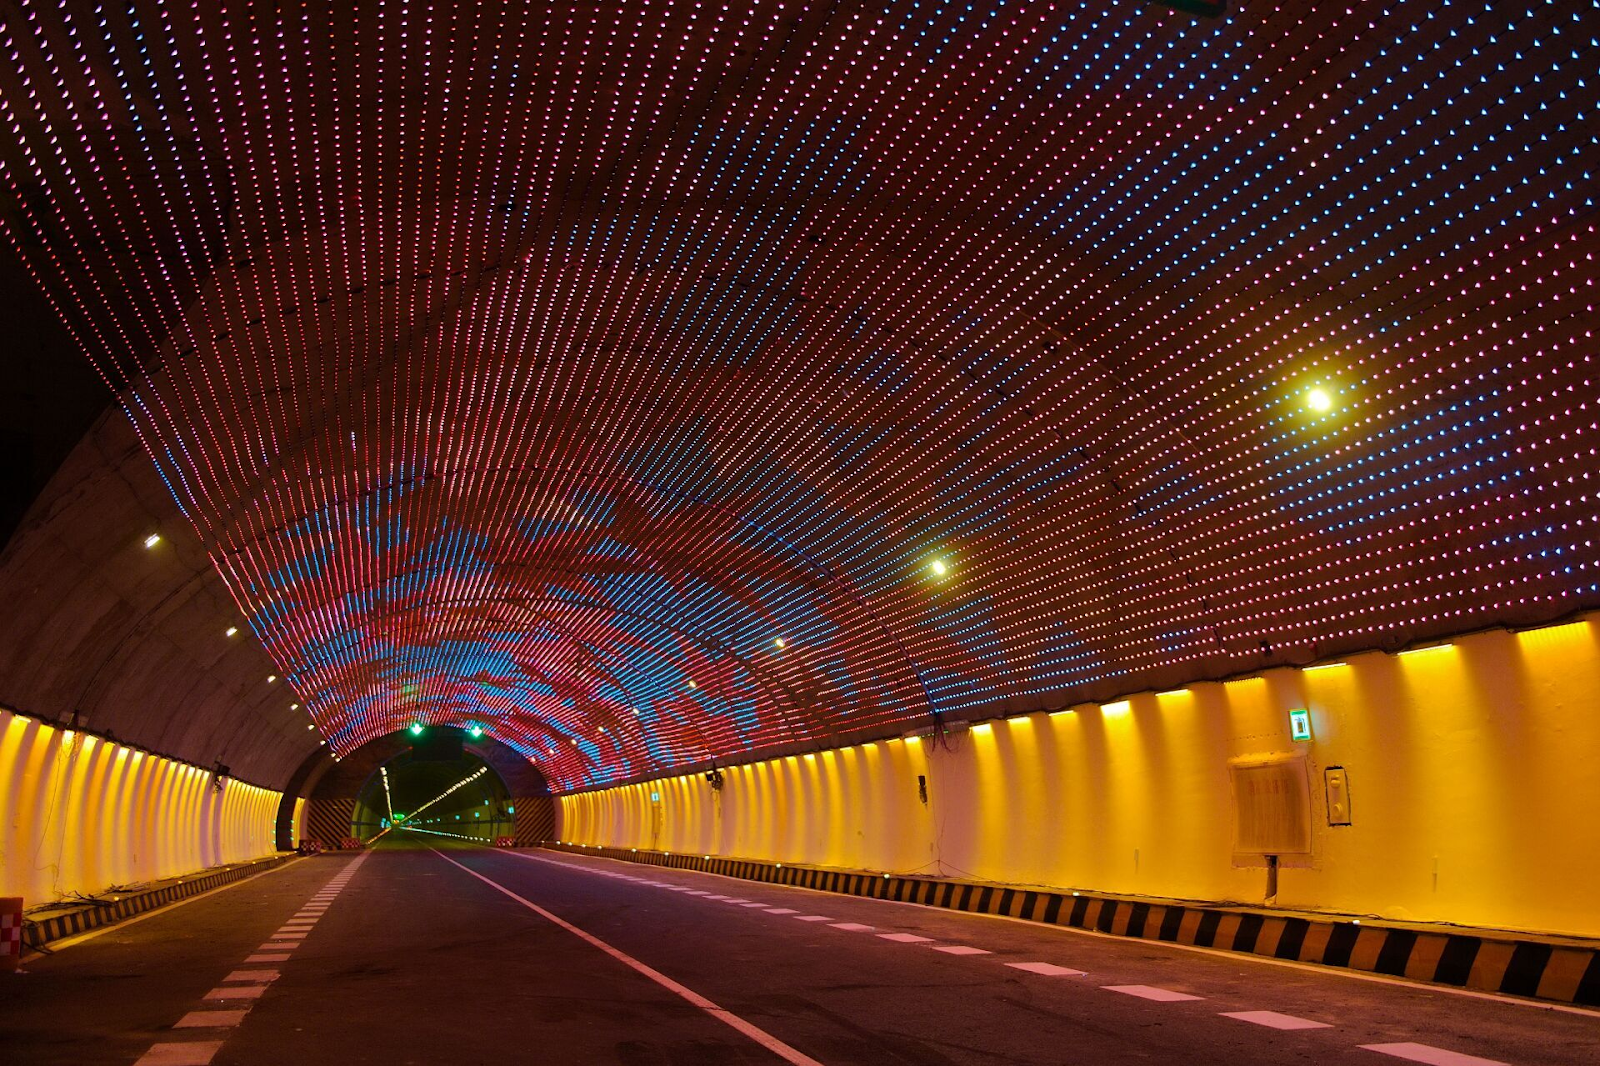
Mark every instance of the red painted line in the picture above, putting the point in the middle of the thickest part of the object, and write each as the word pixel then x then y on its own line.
pixel 727 1017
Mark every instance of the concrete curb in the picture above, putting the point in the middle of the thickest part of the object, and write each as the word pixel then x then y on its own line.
pixel 1566 971
pixel 39 932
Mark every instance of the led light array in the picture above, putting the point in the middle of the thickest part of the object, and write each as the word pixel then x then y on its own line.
pixel 662 383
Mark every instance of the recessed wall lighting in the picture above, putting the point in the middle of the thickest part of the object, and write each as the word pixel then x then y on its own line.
pixel 152 540
pixel 232 631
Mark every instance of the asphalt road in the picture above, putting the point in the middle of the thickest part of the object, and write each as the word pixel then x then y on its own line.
pixel 427 951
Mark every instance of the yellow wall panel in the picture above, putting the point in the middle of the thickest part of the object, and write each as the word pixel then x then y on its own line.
pixel 1470 770
pixel 80 814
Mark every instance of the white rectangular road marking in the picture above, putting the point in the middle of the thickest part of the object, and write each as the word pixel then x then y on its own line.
pixel 211 1019
pixel 1047 969
pixel 1159 995
pixel 280 945
pixel 852 927
pixel 254 977
pixel 961 949
pixel 195 1053
pixel 236 992
pixel 287 933
pixel 273 957
pixel 906 938
pixel 1433 1056
pixel 719 899
pixel 1273 1020
pixel 722 1014
pixel 782 910
pixel 734 899
pixel 812 918
pixel 762 905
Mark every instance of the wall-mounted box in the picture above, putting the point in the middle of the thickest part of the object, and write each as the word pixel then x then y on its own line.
pixel 1337 787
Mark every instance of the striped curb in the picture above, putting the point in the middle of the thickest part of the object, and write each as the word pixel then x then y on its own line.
pixel 38 932
pixel 1567 971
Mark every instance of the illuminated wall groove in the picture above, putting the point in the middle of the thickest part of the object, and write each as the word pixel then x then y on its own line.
pixel 815 370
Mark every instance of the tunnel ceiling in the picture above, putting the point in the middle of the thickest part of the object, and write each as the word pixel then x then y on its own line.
pixel 655 383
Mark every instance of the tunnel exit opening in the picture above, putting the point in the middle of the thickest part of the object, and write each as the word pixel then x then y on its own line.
pixel 416 795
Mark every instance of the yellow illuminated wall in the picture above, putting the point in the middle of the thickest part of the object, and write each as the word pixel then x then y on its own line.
pixel 1474 771
pixel 80 814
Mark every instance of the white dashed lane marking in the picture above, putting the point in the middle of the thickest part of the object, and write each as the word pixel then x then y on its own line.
pixel 1433 1056
pixel 236 992
pixel 269 957
pixel 190 1053
pixel 211 1019
pixel 1411 1052
pixel 1046 969
pixel 252 977
pixel 1273 1020
pixel 1150 992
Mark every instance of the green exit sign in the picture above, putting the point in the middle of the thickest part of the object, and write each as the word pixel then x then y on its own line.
pixel 1300 724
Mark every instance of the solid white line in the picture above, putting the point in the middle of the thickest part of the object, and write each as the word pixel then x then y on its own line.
pixel 1273 1020
pixel 1433 1056
pixel 727 1017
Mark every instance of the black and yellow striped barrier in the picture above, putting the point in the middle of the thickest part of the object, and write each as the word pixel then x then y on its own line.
pixel 1548 968
pixel 38 932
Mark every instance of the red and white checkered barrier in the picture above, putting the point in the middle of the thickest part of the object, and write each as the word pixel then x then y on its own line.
pixel 10 933
pixel 505 842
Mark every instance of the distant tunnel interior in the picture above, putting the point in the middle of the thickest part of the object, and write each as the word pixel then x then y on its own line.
pixel 448 793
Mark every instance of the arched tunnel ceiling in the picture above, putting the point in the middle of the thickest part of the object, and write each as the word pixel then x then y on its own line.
pixel 659 383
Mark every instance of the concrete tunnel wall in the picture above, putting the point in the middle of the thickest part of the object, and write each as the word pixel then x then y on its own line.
pixel 1470 769
pixel 83 814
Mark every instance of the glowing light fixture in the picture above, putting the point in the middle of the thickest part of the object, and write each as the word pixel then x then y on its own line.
pixel 1425 649
pixel 939 567
pixel 416 729
pixel 152 540
pixel 232 631
pixel 271 678
pixel 475 730
pixel 1320 400
pixel 1118 708
pixel 778 642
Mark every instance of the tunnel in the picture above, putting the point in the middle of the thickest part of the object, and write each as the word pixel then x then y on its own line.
pixel 667 531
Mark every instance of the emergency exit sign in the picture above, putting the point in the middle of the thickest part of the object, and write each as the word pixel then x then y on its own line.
pixel 1300 724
